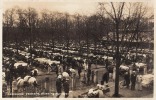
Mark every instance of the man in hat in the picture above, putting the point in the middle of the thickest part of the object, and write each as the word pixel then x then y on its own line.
pixel 66 87
pixel 134 68
pixel 88 75
pixel 127 79
pixel 105 77
pixel 133 80
pixel 79 71
pixel 59 85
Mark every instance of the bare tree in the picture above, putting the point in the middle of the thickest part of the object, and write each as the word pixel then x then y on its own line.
pixel 125 19
pixel 31 20
pixel 8 24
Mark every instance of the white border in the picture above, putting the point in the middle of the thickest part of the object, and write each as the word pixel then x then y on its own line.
pixel 1 10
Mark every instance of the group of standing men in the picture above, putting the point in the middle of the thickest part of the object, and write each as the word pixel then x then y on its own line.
pixel 62 84
pixel 131 78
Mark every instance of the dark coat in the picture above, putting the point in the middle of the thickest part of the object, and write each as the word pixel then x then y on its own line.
pixel 127 78
pixel 133 78
pixel 79 69
pixel 105 77
pixel 88 72
pixel 66 86
pixel 106 63
pixel 59 85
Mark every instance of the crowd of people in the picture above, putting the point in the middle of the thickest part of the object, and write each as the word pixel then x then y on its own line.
pixel 90 76
pixel 62 83
pixel 131 77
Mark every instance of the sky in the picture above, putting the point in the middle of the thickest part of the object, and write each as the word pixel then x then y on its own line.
pixel 85 7
pixel 70 7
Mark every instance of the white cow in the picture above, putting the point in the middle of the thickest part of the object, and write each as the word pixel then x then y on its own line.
pixel 31 81
pixel 95 93
pixel 20 84
pixel 147 80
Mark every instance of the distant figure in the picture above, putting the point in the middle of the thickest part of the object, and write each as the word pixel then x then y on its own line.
pixel 88 75
pixel 133 80
pixel 60 69
pixel 85 65
pixel 96 77
pixel 89 64
pixel 127 79
pixel 57 70
pixel 68 71
pixel 110 70
pixel 79 71
pixel 64 67
pixel 66 87
pixel 134 68
pixel 93 74
pixel 59 85
pixel 105 77
pixel 114 73
pixel 83 79
pixel 139 81
pixel 106 63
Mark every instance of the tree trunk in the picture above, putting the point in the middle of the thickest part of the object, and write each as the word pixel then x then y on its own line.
pixel 116 92
pixel 30 43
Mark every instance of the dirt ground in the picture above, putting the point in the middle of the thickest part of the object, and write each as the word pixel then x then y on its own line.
pixel 47 87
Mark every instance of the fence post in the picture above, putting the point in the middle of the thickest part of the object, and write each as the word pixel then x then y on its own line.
pixel 47 84
pixel 145 69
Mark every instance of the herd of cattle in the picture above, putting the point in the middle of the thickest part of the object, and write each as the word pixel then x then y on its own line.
pixel 23 65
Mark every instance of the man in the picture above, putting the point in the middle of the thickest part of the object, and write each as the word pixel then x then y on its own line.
pixel 79 71
pixel 64 67
pixel 127 79
pixel 66 87
pixel 88 76
pixel 59 85
pixel 105 77
pixel 134 68
pixel 93 74
pixel 133 80
pixel 83 79
pixel 106 63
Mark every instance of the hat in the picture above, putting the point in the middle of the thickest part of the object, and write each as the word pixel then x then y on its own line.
pixel 60 76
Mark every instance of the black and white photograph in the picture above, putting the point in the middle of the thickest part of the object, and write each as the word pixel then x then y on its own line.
pixel 77 49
